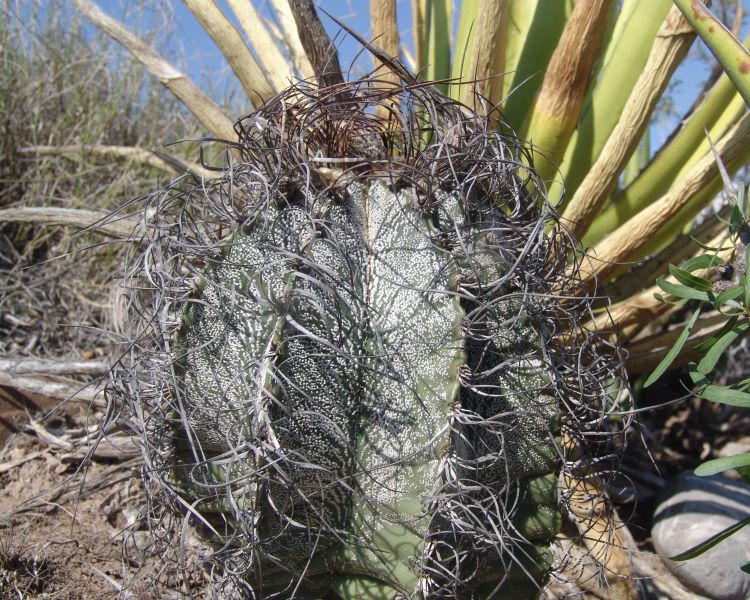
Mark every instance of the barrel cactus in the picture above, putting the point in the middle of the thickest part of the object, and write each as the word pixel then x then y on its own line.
pixel 360 350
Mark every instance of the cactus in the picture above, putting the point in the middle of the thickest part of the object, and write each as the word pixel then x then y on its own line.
pixel 364 352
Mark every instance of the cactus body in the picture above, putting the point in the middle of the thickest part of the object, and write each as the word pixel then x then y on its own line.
pixel 360 396
pixel 322 385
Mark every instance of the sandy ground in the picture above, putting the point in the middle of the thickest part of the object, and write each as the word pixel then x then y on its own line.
pixel 69 531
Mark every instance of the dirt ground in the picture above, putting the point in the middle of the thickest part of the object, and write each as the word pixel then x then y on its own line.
pixel 76 529
pixel 73 530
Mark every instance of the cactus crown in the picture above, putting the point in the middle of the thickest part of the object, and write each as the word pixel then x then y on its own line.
pixel 362 350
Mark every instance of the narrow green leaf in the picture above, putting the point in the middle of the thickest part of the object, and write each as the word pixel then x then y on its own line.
pixel 702 261
pixel 710 542
pixel 673 352
pixel 462 53
pixel 692 281
pixel 735 219
pixel 678 302
pixel 745 567
pixel 706 344
pixel 682 291
pixel 727 295
pixel 719 465
pixel 704 246
pixel 697 377
pixel 708 362
pixel 746 281
pixel 724 395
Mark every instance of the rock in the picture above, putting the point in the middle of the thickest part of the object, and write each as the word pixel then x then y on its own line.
pixel 693 509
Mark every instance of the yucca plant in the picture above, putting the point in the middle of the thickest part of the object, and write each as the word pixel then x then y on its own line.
pixel 372 371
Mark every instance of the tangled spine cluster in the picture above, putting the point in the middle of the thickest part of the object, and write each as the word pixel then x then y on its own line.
pixel 359 352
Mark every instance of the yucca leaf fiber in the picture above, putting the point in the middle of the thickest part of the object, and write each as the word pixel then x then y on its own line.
pixel 356 381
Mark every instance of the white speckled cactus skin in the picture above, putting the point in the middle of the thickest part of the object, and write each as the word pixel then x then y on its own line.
pixel 360 397
pixel 329 340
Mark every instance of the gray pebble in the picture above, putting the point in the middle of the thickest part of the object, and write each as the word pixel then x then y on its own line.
pixel 691 510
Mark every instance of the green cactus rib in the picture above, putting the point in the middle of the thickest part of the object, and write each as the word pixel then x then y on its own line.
pixel 326 421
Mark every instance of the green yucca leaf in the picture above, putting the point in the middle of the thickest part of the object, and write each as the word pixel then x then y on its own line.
pixel 700 198
pixel 438 30
pixel 720 107
pixel 482 53
pixel 557 107
pixel 464 49
pixel 622 64
pixel 731 54
pixel 670 47
pixel 652 228
pixel 526 62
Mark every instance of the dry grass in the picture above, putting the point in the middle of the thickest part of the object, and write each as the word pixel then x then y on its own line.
pixel 61 87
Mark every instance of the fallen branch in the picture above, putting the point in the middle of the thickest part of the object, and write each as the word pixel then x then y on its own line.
pixel 57 390
pixel 111 447
pixel 44 366
pixel 167 163
pixel 9 466
pixel 95 221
